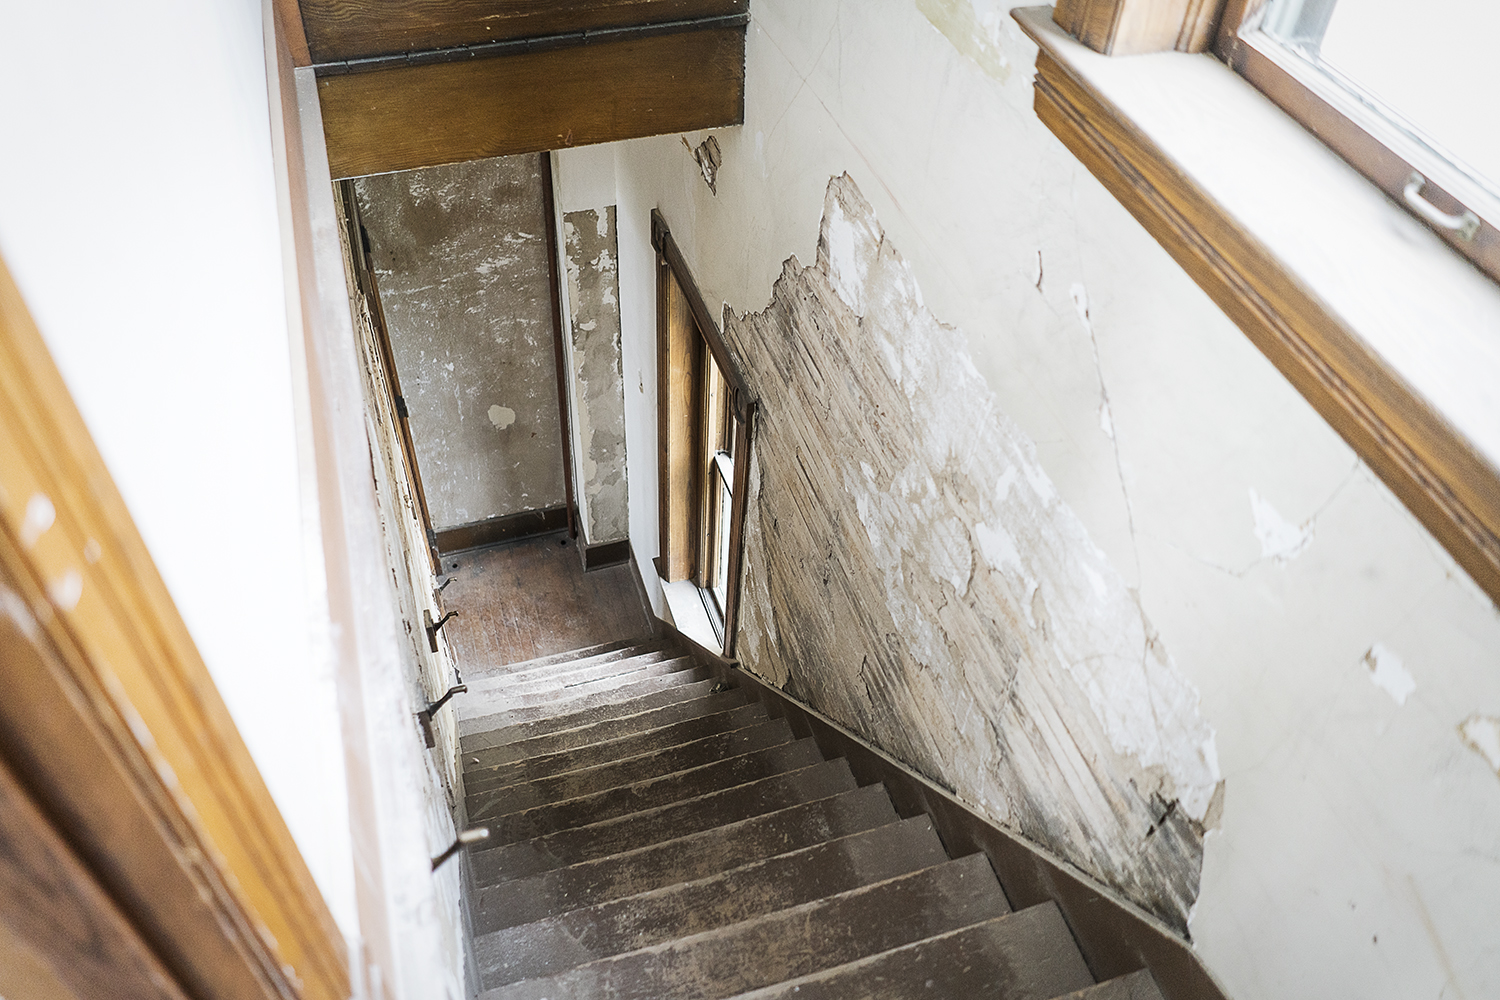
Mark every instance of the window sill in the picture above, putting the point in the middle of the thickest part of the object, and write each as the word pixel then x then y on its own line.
pixel 689 616
pixel 1391 336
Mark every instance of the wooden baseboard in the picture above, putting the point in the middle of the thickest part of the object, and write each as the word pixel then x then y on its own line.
pixel 508 528
pixel 605 554
pixel 1115 936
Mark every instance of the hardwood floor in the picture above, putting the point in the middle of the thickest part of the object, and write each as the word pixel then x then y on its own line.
pixel 526 599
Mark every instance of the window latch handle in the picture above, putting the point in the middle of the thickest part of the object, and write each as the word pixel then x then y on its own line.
pixel 1464 225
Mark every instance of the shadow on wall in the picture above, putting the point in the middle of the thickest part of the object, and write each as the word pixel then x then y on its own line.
pixel 912 572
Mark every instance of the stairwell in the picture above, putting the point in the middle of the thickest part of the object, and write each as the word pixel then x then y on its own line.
pixel 655 833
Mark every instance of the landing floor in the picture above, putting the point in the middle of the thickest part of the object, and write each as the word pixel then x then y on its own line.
pixel 531 598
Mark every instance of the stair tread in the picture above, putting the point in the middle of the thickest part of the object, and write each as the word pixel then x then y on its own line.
pixel 561 698
pixel 1134 986
pixel 564 674
pixel 555 712
pixel 623 833
pixel 645 719
pixel 683 858
pixel 484 778
pixel 493 731
pixel 567 656
pixel 1028 955
pixel 578 936
pixel 796 941
pixel 505 799
pixel 655 793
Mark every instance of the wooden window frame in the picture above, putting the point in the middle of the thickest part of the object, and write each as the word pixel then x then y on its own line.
pixel 1370 141
pixel 1391 408
pixel 684 486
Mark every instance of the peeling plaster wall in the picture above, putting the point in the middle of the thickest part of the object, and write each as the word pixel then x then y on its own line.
pixel 461 256
pixel 1355 854
pixel 911 571
pixel 592 252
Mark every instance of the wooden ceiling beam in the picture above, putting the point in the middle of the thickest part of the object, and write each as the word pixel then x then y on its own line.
pixel 447 112
pixel 341 30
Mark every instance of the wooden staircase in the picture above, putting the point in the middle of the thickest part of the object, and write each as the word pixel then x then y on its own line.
pixel 655 833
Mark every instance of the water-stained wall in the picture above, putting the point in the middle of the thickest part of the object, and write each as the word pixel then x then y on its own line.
pixel 461 257
pixel 912 572
pixel 593 297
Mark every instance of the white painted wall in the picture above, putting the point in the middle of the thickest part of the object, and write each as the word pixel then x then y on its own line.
pixel 1356 856
pixel 138 215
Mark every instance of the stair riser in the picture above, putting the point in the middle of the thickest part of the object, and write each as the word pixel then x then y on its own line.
pixel 1028 955
pixel 559 699
pixel 481 779
pixel 565 674
pixel 783 881
pixel 551 712
pixel 628 833
pixel 787 943
pixel 504 751
pixel 483 735
pixel 575 784
pixel 696 856
pixel 655 794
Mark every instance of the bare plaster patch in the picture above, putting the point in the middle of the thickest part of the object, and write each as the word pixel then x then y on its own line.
pixel 1279 538
pixel 1482 734
pixel 1388 673
pixel 502 416
pixel 912 571
pixel 592 252
pixel 976 28
pixel 40 515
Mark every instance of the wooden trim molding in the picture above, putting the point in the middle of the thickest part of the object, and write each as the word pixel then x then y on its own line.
pixel 673 272
pixel 1431 466
pixel 289 16
pixel 505 528
pixel 1131 27
pixel 112 723
pixel 559 352
pixel 424 115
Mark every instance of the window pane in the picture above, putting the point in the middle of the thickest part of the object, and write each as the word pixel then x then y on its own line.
pixel 1431 63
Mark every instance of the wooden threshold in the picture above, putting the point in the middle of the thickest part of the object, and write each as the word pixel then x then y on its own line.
pixel 1386 333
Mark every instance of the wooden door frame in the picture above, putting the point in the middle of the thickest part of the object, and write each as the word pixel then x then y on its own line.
pixel 116 732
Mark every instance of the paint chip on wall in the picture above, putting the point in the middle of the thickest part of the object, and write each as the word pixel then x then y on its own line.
pixel 1279 538
pixel 1482 734
pixel 502 416
pixel 1388 673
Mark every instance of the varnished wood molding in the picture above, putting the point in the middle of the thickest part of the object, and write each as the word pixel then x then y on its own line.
pixel 50 901
pixel 505 528
pixel 1130 27
pixel 1428 464
pixel 356 29
pixel 289 23
pixel 420 116
pixel 113 723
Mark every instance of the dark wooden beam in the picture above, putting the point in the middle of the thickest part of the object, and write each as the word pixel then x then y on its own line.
pixel 421 116
pixel 353 29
